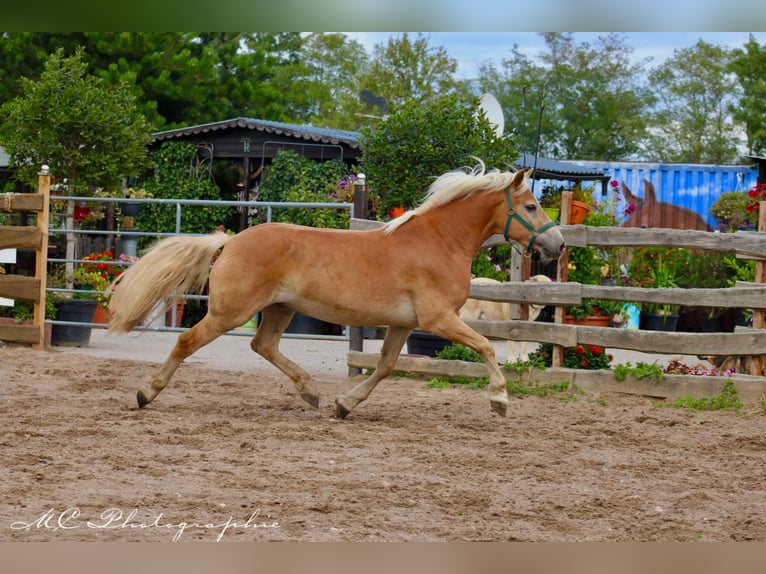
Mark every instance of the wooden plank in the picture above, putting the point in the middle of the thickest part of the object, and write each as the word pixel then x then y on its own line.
pixel 21 237
pixel 525 292
pixel 21 202
pixel 20 287
pixel 751 244
pixel 748 296
pixel 749 389
pixel 31 334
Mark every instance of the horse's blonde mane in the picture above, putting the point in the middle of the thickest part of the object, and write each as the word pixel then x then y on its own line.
pixel 455 185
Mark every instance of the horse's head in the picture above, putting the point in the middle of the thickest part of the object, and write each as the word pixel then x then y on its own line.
pixel 648 212
pixel 525 222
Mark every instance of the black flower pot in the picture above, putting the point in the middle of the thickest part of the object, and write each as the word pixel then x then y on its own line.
pixel 658 322
pixel 422 343
pixel 310 326
pixel 130 209
pixel 75 311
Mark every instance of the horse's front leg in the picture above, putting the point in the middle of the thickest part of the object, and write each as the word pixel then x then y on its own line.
pixel 392 346
pixel 451 327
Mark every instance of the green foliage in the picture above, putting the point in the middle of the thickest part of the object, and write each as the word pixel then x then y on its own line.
pixel 457 352
pixel 590 357
pixel 727 400
pixel 424 139
pixel 408 69
pixel 595 100
pixel 703 269
pixel 177 78
pixel 292 177
pixel 83 129
pixel 172 178
pixel 642 370
pixel 692 122
pixel 739 269
pixel 749 65
pixel 584 265
pixel 493 262
pixel 656 267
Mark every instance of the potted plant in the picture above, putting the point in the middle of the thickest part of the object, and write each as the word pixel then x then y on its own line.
pixel 582 201
pixel 702 270
pixel 550 201
pixel 587 267
pixel 590 357
pixel 655 267
pixel 132 208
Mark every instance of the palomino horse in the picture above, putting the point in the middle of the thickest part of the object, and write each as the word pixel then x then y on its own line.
pixel 413 272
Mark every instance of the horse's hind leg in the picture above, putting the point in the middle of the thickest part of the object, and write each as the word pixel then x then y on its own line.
pixel 207 330
pixel 274 321
pixel 392 346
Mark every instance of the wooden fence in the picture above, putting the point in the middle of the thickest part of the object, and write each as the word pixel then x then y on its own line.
pixel 742 342
pixel 27 237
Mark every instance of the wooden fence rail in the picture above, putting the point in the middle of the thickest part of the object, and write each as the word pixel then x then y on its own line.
pixel 742 342
pixel 27 237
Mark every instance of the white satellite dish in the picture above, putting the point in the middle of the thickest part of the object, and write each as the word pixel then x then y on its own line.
pixel 491 108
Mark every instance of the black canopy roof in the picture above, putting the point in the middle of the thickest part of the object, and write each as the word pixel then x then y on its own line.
pixel 545 168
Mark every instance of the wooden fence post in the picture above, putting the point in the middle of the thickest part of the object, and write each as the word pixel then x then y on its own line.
pixel 41 256
pixel 756 364
pixel 361 211
pixel 562 274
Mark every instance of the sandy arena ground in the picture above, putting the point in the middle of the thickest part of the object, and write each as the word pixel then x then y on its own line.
pixel 228 451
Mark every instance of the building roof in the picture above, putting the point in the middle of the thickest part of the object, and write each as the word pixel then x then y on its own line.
pixel 303 132
pixel 546 168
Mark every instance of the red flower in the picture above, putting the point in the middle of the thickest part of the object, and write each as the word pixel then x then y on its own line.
pixel 580 350
pixel 594 349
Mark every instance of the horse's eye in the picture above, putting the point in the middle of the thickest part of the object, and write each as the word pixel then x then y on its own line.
pixel 531 207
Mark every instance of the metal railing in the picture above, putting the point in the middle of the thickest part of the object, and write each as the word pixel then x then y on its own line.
pixel 179 204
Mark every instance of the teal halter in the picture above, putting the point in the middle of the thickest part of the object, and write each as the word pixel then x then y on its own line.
pixel 513 215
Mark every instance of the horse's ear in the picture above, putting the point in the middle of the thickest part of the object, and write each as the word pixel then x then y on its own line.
pixel 518 177
pixel 637 201
pixel 649 195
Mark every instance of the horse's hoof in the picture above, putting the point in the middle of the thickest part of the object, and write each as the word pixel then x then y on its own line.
pixel 142 400
pixel 499 407
pixel 313 400
pixel 340 411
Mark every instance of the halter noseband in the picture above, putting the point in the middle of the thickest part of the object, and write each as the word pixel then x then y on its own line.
pixel 513 215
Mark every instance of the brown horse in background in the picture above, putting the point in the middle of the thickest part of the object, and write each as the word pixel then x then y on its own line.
pixel 413 272
pixel 652 213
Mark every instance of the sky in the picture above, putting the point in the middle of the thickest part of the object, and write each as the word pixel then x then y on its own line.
pixel 471 49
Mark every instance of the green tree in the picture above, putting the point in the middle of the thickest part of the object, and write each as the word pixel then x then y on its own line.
pixel 177 78
pixel 594 101
pixel 328 81
pixel 422 140
pixel 405 69
pixel 749 64
pixel 88 133
pixel 693 122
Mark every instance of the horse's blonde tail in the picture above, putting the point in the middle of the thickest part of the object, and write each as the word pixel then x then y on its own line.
pixel 172 267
